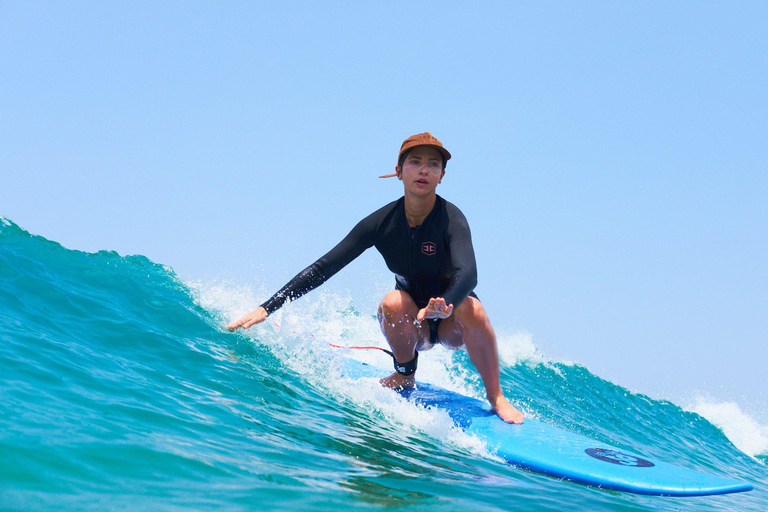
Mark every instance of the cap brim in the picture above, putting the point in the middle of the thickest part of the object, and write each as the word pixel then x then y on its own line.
pixel 446 154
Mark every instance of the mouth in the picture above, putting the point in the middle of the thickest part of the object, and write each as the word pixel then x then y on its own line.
pixel 421 182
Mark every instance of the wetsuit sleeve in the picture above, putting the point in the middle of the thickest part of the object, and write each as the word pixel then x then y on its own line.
pixel 354 244
pixel 464 278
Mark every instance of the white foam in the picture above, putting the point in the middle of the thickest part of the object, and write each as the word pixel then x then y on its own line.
pixel 743 431
pixel 301 335
pixel 410 417
pixel 518 347
pixel 226 299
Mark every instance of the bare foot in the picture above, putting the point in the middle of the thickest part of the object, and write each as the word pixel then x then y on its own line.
pixel 506 411
pixel 398 381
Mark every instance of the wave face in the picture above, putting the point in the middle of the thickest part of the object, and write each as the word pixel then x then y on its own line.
pixel 120 390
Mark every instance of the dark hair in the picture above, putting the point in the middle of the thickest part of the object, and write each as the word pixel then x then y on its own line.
pixel 405 155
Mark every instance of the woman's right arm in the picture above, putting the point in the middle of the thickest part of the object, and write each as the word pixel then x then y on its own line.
pixel 354 244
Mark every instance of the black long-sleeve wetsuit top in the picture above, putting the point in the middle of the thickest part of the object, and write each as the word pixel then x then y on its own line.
pixel 434 259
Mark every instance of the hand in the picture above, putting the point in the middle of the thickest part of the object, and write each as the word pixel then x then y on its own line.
pixel 254 317
pixel 435 309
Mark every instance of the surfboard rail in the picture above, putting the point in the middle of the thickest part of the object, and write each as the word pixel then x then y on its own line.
pixel 541 448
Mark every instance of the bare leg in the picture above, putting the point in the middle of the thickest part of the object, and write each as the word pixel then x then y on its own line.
pixel 470 324
pixel 396 314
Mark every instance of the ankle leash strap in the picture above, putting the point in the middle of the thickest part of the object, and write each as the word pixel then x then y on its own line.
pixel 406 369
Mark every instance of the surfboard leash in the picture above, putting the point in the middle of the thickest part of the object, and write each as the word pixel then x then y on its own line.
pixel 367 348
pixel 406 369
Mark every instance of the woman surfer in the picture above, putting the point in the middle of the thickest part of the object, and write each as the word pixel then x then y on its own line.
pixel 425 241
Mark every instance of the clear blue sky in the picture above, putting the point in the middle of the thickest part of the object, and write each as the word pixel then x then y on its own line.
pixel 611 157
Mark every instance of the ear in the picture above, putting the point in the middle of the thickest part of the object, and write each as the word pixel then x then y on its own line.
pixel 399 172
pixel 441 177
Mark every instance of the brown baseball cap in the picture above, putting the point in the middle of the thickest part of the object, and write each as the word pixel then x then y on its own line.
pixel 421 139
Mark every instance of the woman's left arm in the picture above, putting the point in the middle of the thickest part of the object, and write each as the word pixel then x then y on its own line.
pixel 464 274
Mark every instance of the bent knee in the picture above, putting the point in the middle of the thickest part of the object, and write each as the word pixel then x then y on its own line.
pixel 395 303
pixel 471 312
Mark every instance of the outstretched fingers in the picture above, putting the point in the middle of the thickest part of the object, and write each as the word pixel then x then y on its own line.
pixel 254 317
pixel 234 325
pixel 436 308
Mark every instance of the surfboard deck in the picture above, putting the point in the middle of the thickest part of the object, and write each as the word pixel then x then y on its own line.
pixel 558 453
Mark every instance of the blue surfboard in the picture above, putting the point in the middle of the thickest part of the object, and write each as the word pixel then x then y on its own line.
pixel 555 452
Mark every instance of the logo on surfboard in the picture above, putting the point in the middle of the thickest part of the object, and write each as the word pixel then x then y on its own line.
pixel 615 457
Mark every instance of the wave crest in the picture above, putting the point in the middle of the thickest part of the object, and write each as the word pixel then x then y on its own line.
pixel 745 433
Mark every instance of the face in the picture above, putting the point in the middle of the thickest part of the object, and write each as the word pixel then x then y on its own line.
pixel 421 171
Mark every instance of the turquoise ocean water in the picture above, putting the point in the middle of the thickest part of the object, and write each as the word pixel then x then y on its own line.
pixel 119 389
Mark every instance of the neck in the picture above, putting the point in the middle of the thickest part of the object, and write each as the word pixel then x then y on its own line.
pixel 418 207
